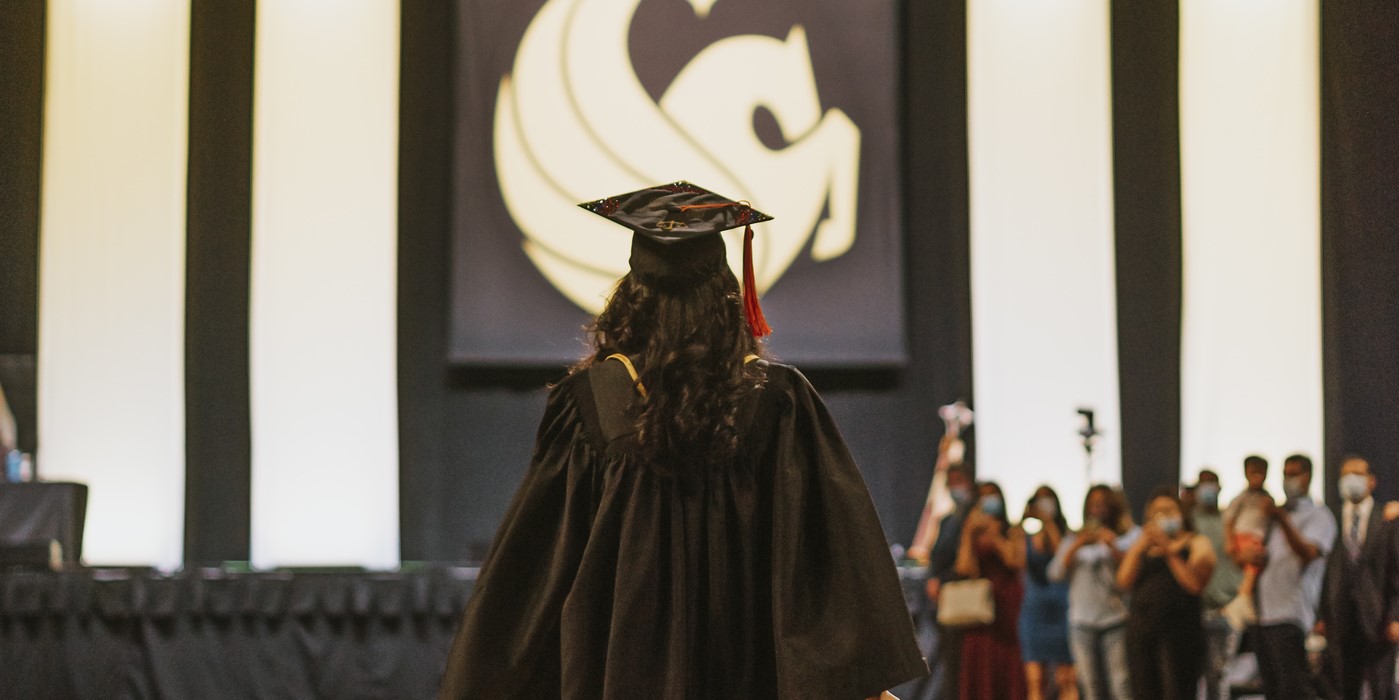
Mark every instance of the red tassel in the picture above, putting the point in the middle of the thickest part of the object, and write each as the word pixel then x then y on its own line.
pixel 751 308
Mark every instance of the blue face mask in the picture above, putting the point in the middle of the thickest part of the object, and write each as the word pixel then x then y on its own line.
pixel 1208 494
pixel 992 505
pixel 960 494
pixel 1170 524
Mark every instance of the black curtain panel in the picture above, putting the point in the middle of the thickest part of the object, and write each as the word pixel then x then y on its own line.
pixel 22 24
pixel 937 247
pixel 424 217
pixel 218 451
pixel 21 121
pixel 1146 203
pixel 1360 234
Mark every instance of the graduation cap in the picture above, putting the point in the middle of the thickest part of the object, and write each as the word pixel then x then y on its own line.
pixel 676 239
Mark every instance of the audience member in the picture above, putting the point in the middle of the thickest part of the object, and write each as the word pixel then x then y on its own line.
pixel 943 645
pixel 1189 499
pixel 1290 586
pixel 1166 571
pixel 1088 560
pixel 1245 527
pixel 993 550
pixel 1044 616
pixel 1118 611
pixel 1221 639
pixel 1359 612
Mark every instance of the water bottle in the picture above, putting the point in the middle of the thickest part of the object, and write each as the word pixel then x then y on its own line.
pixel 13 458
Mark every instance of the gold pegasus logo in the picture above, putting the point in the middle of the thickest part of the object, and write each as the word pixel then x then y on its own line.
pixel 573 122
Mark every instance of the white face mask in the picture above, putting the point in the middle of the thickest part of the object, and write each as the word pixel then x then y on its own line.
pixel 1294 487
pixel 1354 487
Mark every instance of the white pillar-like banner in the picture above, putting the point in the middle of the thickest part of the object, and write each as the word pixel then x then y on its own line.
pixel 112 271
pixel 323 313
pixel 1250 197
pixel 1043 290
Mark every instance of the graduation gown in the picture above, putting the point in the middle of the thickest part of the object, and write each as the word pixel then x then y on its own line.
pixel 767 577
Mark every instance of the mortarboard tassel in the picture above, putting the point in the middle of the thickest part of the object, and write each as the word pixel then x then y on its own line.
pixel 751 308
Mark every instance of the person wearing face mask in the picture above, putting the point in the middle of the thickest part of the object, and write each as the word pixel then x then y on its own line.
pixel 1088 561
pixel 1166 571
pixel 1044 614
pixel 1189 499
pixel 992 549
pixel 942 645
pixel 1359 615
pixel 1289 587
pixel 1221 639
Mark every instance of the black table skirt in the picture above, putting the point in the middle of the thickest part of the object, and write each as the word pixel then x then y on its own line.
pixel 216 634
pixel 213 634
pixel 36 512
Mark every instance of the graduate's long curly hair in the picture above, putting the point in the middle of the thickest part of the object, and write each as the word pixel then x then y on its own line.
pixel 691 341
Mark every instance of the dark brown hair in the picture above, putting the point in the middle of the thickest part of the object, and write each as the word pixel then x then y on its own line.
pixel 689 342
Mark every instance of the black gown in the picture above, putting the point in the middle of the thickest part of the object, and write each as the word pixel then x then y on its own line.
pixel 1165 637
pixel 766 578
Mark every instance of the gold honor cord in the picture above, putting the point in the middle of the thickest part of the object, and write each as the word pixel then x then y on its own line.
pixel 636 379
pixel 631 369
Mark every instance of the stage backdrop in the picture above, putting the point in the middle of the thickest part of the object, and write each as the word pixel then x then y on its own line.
pixel 789 105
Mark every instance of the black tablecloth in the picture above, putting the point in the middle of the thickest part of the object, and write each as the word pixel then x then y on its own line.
pixel 213 634
pixel 42 511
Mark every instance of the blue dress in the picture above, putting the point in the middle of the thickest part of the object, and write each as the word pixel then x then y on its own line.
pixel 1044 614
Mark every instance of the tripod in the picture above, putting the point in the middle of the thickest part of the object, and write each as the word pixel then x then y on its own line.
pixel 1089 433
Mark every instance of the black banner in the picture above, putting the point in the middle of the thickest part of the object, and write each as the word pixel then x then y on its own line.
pixel 789 105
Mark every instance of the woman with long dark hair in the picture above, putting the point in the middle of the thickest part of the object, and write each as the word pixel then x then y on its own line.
pixel 993 550
pixel 691 524
pixel 1044 615
pixel 1166 571
pixel 1088 561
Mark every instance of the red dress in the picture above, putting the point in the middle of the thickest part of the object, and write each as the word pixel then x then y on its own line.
pixel 991 667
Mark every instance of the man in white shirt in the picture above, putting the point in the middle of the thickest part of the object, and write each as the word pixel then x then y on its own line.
pixel 1289 588
pixel 1359 613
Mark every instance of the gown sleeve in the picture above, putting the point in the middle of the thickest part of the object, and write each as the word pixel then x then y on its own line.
pixel 841 626
pixel 507 645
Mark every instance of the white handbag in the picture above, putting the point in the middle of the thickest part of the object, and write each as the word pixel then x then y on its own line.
pixel 966 603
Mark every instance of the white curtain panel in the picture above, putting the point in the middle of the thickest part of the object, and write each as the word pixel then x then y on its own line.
pixel 112 271
pixel 1044 322
pixel 323 307
pixel 1250 196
